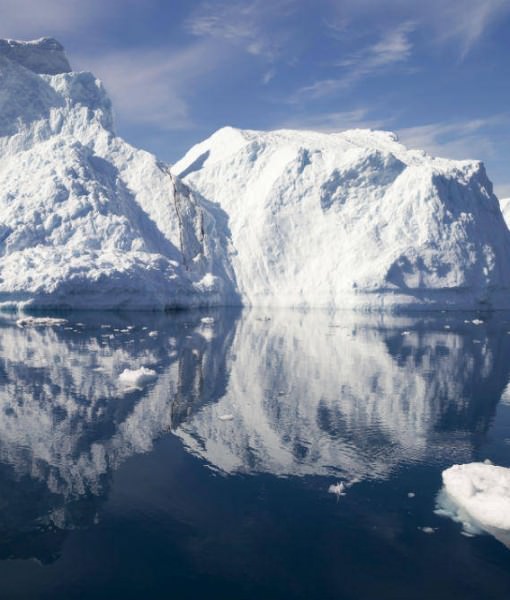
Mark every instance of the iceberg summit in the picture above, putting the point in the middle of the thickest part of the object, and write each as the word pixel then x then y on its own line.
pixel 285 218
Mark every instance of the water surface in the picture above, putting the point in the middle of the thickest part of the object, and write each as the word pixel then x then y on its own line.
pixel 213 479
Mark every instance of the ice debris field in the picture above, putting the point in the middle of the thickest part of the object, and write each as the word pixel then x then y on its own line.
pixel 283 218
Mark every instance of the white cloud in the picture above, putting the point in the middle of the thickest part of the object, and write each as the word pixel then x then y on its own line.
pixel 27 19
pixel 393 48
pixel 461 22
pixel 247 24
pixel 459 140
pixel 334 121
pixel 152 86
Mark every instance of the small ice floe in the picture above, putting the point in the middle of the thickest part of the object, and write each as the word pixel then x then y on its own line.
pixel 477 495
pixel 137 377
pixel 106 326
pixel 447 327
pixel 40 322
pixel 338 489
pixel 226 417
pixel 153 334
pixel 405 333
pixel 411 495
pixel 428 530
pixel 207 320
pixel 477 322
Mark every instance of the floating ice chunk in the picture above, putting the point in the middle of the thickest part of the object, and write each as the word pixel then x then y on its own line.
pixel 478 496
pixel 447 327
pixel 406 332
pixel 40 322
pixel 226 417
pixel 427 529
pixel 207 320
pixel 337 488
pixel 411 495
pixel 137 377
pixel 153 334
pixel 477 322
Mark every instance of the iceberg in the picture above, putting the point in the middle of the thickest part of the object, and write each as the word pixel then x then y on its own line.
pixel 505 209
pixel 478 496
pixel 88 221
pixel 353 220
pixel 282 218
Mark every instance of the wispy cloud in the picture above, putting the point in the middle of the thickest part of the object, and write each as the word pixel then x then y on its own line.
pixel 25 19
pixel 460 140
pixel 152 86
pixel 247 24
pixel 460 22
pixel 393 48
pixel 335 121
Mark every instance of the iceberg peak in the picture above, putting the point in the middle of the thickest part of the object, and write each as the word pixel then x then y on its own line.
pixel 44 56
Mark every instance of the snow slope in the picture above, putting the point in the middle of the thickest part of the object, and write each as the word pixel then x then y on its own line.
pixel 353 220
pixel 88 220
pixel 505 209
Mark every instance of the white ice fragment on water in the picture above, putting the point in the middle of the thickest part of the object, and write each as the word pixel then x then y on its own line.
pixel 137 377
pixel 477 322
pixel 411 495
pixel 427 529
pixel 40 322
pixel 406 332
pixel 226 417
pixel 207 320
pixel 338 489
pixel 153 334
pixel 487 461
pixel 478 496
pixel 447 327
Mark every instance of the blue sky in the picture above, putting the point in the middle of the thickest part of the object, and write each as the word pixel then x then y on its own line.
pixel 435 71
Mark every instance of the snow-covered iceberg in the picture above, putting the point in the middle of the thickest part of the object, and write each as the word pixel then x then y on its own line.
pixel 353 220
pixel 505 209
pixel 478 496
pixel 87 221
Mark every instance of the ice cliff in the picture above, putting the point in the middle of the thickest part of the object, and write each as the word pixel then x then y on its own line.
pixel 86 219
pixel 353 219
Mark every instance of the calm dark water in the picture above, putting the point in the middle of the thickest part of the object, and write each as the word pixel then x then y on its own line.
pixel 110 492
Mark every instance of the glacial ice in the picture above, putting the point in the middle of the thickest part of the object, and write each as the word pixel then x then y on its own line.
pixel 478 496
pixel 284 218
pixel 353 220
pixel 137 377
pixel 87 220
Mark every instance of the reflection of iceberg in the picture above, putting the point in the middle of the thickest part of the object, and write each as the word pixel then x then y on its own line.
pixel 478 496
pixel 313 394
pixel 66 421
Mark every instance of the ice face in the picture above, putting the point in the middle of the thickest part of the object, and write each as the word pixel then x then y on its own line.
pixel 43 56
